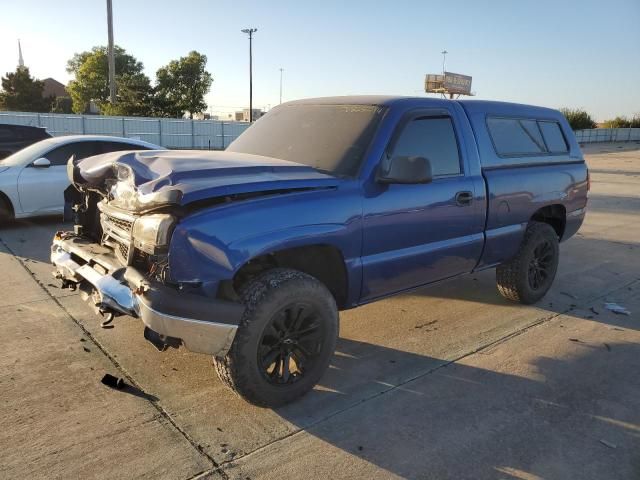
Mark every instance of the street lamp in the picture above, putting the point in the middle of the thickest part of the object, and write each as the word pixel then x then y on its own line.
pixel 281 70
pixel 250 32
pixel 444 58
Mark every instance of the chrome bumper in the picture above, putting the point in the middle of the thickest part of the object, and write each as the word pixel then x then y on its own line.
pixel 126 291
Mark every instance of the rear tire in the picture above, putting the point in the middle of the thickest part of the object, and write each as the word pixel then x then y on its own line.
pixel 527 277
pixel 285 340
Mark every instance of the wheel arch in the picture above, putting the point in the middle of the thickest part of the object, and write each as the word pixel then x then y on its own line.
pixel 4 199
pixel 322 261
pixel 554 215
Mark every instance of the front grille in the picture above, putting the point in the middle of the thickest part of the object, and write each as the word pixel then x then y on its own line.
pixel 125 225
pixel 123 250
pixel 117 234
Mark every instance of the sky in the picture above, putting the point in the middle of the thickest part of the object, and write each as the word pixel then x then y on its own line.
pixel 558 53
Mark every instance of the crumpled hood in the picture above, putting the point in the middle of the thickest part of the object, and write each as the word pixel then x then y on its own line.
pixel 146 179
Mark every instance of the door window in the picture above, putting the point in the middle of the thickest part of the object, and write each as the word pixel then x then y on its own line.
pixel 61 155
pixel 434 139
pixel 107 147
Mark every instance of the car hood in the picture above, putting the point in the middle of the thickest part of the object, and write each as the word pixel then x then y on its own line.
pixel 144 180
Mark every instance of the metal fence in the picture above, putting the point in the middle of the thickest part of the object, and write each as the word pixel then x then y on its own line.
pixel 167 132
pixel 594 135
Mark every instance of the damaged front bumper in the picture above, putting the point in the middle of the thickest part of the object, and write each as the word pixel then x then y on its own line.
pixel 171 317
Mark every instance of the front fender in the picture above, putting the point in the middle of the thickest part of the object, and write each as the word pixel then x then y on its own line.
pixel 213 245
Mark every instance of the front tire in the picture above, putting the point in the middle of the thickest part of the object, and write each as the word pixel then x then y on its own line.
pixel 285 340
pixel 527 277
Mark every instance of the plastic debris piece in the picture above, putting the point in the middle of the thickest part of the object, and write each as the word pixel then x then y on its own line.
pixel 615 308
pixel 608 444
pixel 113 382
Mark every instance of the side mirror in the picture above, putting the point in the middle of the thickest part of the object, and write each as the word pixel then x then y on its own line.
pixel 405 170
pixel 41 163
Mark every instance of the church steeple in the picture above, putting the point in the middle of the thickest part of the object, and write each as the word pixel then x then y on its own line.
pixel 20 59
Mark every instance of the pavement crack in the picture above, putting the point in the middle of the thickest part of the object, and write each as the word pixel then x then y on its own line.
pixel 161 410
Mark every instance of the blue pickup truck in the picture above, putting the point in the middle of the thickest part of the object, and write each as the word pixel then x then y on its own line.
pixel 322 205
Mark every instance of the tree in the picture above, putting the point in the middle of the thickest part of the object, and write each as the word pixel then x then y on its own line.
pixel 134 96
pixel 91 83
pixel 578 118
pixel 22 92
pixel 62 105
pixel 181 86
pixel 618 122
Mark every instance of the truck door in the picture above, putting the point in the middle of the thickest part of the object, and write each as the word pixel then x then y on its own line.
pixel 414 234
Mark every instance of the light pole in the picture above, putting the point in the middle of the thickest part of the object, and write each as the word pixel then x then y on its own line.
pixel 250 32
pixel 444 58
pixel 281 70
pixel 111 59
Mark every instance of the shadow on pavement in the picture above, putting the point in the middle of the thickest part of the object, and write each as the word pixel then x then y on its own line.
pixel 465 422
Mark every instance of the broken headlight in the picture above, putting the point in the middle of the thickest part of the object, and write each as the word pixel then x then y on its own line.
pixel 151 233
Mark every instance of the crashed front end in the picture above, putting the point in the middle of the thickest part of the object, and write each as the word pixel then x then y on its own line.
pixel 117 256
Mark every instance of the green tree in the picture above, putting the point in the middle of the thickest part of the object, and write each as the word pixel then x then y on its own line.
pixel 181 86
pixel 134 96
pixel 91 83
pixel 22 92
pixel 618 122
pixel 578 119
pixel 62 105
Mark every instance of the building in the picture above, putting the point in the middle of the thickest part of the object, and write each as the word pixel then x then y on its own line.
pixel 243 116
pixel 53 88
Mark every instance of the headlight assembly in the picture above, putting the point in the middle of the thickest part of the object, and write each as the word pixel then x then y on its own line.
pixel 151 233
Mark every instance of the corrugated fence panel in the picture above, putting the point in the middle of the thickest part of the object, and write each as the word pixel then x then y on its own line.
pixel 176 133
pixel 596 135
pixel 204 135
pixel 168 132
pixel 147 129
pixel 62 125
pixel 20 118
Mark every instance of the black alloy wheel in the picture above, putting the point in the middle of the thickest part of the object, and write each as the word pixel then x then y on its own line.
pixel 290 344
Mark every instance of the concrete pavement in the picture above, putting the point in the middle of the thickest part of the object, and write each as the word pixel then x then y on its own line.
pixel 447 382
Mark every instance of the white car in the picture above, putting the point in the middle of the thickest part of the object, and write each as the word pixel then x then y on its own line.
pixel 33 180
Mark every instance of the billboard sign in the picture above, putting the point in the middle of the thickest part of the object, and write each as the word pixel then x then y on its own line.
pixel 434 83
pixel 456 83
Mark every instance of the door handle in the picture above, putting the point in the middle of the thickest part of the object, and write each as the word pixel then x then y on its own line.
pixel 464 198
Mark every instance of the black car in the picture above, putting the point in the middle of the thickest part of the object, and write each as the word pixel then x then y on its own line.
pixel 16 137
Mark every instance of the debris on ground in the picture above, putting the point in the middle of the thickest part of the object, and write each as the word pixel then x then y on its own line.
pixel 86 349
pixel 113 382
pixel 608 444
pixel 607 346
pixel 575 340
pixel 593 309
pixel 616 308
pixel 570 295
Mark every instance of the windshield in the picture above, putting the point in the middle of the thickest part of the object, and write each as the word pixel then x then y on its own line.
pixel 330 138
